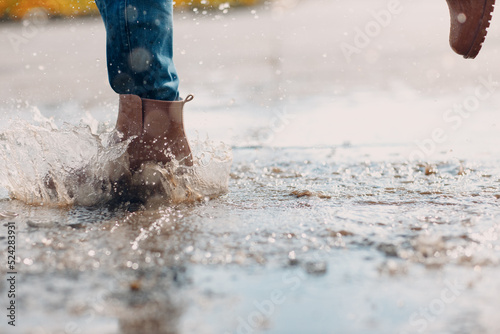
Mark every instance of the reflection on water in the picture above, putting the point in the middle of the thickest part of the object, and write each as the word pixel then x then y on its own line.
pixel 312 217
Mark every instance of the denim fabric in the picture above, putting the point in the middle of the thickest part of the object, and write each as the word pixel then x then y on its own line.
pixel 139 47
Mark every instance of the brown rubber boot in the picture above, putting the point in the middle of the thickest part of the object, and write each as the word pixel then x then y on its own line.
pixel 469 21
pixel 159 128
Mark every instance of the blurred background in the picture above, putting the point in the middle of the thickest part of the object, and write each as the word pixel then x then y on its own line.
pixel 23 9
pixel 361 72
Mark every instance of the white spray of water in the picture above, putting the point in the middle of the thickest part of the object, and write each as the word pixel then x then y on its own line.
pixel 43 165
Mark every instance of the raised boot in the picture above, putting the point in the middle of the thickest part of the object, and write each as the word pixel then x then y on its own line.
pixel 158 127
pixel 469 21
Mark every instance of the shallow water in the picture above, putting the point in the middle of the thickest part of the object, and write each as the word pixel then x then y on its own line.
pixel 344 212
pixel 334 243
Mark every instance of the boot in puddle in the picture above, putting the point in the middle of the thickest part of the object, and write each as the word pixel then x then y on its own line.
pixel 159 130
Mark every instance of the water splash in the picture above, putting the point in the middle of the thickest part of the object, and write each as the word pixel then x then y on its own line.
pixel 44 165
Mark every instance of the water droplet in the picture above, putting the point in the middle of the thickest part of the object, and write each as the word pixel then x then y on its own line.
pixel 462 18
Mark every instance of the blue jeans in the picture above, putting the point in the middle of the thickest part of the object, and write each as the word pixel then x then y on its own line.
pixel 139 47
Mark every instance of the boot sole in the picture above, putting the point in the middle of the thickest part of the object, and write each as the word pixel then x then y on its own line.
pixel 481 34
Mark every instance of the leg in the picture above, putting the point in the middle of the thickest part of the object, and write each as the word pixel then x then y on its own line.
pixel 141 70
pixel 139 47
pixel 469 21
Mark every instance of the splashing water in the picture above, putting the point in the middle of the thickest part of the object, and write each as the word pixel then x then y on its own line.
pixel 43 165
